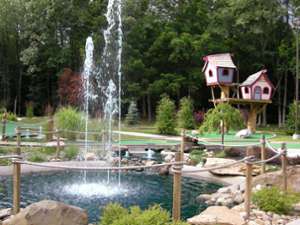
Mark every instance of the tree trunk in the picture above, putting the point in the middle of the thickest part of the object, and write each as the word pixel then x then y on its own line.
pixel 149 107
pixel 264 119
pixel 284 98
pixel 279 106
pixel 259 119
pixel 144 107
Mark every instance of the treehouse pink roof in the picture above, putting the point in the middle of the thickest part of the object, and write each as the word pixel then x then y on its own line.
pixel 218 69
pixel 257 86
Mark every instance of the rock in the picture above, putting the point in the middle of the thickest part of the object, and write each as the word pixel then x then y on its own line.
pixel 150 163
pixel 275 179
pixel 169 158
pixel 253 223
pixel 295 222
pixel 238 199
pixel 49 213
pixel 163 171
pixel 224 190
pixel 90 156
pixel 235 170
pixel 125 161
pixel 245 133
pixel 220 215
pixel 204 197
pixel 4 213
pixel 296 207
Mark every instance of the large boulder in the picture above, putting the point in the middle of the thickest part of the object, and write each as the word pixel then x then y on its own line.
pixel 275 179
pixel 245 133
pixel 220 215
pixel 49 213
pixel 295 222
pixel 235 170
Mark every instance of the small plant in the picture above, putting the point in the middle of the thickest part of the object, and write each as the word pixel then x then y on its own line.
pixel 196 156
pixel 69 120
pixel 220 154
pixel 115 214
pixel 9 116
pixel 271 199
pixel 29 110
pixel 71 152
pixel 132 116
pixel 36 157
pixel 47 150
pixel 185 117
pixel 222 112
pixel 165 121
pixel 5 162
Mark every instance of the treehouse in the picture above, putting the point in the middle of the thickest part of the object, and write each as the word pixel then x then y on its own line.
pixel 256 90
pixel 257 87
pixel 219 71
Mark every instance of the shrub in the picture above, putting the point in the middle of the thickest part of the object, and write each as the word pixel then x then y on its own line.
pixel 37 157
pixel 220 154
pixel 29 110
pixel 271 199
pixel 5 162
pixel 165 121
pixel 115 214
pixel 69 119
pixel 48 150
pixel 71 152
pixel 9 116
pixel 132 116
pixel 196 156
pixel 185 117
pixel 232 118
pixel 199 117
pixel 291 117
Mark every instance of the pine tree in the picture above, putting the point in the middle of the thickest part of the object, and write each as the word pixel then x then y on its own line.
pixel 165 121
pixel 132 116
pixel 185 117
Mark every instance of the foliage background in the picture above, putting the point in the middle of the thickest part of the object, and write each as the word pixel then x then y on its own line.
pixel 164 41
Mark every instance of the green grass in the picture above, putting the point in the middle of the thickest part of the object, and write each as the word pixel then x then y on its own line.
pixel 5 162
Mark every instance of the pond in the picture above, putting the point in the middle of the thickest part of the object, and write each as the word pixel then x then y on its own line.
pixel 95 191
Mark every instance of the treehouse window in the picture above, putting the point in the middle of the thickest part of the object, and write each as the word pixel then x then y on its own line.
pixel 246 90
pixel 210 73
pixel 225 72
pixel 266 90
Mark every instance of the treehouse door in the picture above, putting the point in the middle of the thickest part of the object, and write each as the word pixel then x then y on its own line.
pixel 257 93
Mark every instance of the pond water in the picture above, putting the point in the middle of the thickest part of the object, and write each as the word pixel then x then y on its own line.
pixel 93 194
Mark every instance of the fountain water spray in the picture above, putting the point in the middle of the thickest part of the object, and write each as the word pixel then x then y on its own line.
pixel 103 92
pixel 88 69
pixel 110 74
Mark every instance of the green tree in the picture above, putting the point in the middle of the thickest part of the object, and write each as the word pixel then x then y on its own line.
pixel 165 116
pixel 222 112
pixel 291 117
pixel 185 117
pixel 132 116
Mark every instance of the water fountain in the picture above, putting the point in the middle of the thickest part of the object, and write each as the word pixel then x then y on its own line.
pixel 102 83
pixel 87 72
pixel 150 154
